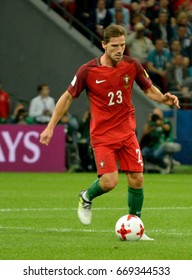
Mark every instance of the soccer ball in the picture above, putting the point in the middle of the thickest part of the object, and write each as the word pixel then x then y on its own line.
pixel 129 228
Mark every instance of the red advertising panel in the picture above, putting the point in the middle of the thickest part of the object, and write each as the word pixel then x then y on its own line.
pixel 20 149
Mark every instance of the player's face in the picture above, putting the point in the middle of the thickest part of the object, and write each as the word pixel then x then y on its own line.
pixel 114 49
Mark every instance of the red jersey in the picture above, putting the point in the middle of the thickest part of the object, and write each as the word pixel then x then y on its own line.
pixel 4 104
pixel 109 91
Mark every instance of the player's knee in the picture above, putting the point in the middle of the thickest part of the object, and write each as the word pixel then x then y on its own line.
pixel 135 180
pixel 109 182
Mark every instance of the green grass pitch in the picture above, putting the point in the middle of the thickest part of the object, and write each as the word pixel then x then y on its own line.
pixel 38 218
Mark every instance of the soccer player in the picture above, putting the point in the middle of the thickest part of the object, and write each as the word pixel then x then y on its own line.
pixel 108 81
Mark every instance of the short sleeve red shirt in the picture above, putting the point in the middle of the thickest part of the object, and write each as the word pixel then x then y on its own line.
pixel 109 91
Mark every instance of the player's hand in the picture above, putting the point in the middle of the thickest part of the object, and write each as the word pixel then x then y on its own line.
pixel 171 99
pixel 46 136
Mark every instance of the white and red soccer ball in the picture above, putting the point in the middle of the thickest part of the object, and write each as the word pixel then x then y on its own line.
pixel 129 228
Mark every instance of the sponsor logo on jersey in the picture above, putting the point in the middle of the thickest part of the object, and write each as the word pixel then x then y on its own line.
pixel 100 81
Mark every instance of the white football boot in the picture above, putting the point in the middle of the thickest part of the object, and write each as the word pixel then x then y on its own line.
pixel 84 210
pixel 146 238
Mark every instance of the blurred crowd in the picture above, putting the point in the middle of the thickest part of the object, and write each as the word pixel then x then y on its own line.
pixel 157 143
pixel 159 35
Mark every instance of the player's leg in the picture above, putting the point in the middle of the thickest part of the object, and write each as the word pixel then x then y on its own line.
pixel 135 192
pixel 136 196
pixel 131 163
pixel 100 186
pixel 108 179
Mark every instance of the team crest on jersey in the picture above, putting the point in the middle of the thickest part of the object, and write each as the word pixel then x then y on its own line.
pixel 102 164
pixel 126 80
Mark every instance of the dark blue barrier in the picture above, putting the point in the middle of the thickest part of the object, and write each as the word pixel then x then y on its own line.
pixel 184 136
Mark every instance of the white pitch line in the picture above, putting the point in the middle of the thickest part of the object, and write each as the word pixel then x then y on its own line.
pixel 68 230
pixel 94 209
pixel 52 229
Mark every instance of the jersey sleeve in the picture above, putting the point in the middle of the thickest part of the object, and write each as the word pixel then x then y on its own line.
pixel 78 84
pixel 142 78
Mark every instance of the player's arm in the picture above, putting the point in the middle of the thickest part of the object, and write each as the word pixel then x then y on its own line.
pixel 155 94
pixel 61 108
